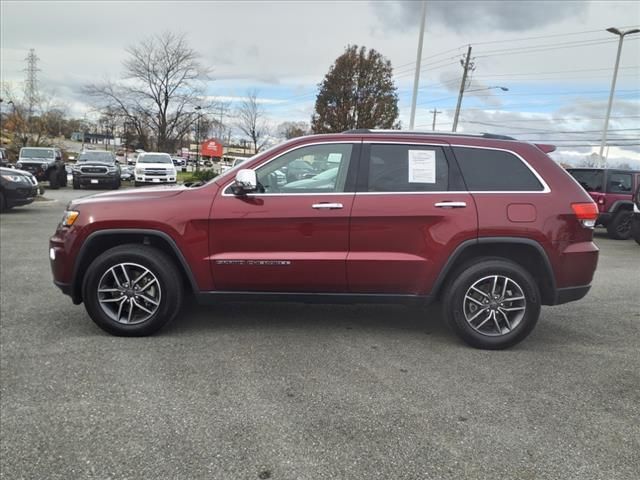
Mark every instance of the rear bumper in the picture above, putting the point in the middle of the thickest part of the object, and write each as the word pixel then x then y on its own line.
pixel 571 294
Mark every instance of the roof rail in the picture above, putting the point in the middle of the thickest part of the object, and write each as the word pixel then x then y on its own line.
pixel 494 136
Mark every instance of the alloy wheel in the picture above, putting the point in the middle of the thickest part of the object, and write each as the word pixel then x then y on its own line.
pixel 494 305
pixel 129 293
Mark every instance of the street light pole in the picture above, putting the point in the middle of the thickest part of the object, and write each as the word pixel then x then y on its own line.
pixel 198 108
pixel 621 34
pixel 416 77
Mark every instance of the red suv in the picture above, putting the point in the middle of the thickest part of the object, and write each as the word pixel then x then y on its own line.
pixel 490 226
pixel 612 190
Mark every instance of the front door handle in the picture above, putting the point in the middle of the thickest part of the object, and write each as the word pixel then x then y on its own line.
pixel 328 206
pixel 450 204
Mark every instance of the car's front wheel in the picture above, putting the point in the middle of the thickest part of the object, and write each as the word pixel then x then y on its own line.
pixel 635 228
pixel 132 290
pixel 492 303
pixel 53 179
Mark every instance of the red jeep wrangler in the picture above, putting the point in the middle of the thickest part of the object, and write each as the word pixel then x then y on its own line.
pixel 492 227
pixel 612 190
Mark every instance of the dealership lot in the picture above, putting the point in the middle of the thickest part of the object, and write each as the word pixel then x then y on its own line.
pixel 290 391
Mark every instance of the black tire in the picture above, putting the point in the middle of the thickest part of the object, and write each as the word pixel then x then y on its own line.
pixel 137 184
pixel 76 184
pixel 635 228
pixel 161 266
pixel 3 204
pixel 116 184
pixel 53 179
pixel 619 228
pixel 62 177
pixel 456 305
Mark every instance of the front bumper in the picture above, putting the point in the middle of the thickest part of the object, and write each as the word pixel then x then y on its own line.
pixel 87 180
pixel 17 194
pixel 38 170
pixel 155 179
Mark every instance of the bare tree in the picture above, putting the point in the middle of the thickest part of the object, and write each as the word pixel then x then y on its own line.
pixel 291 130
pixel 163 81
pixel 252 121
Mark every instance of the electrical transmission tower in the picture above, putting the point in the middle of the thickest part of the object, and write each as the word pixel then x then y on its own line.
pixel 31 92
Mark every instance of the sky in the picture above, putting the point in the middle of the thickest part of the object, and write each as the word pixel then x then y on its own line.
pixel 555 58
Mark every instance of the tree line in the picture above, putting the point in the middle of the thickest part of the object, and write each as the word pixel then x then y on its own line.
pixel 161 101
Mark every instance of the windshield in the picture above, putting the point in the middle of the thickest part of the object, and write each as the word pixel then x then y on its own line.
pixel 590 180
pixel 102 157
pixel 35 153
pixel 154 158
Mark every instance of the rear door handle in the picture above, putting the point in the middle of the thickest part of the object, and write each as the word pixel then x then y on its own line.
pixel 450 204
pixel 328 206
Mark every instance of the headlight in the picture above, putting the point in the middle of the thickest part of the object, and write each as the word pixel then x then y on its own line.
pixel 139 171
pixel 18 165
pixel 69 217
pixel 112 169
pixel 15 178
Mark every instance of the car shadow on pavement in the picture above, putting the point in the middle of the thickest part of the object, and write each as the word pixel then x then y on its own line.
pixel 194 319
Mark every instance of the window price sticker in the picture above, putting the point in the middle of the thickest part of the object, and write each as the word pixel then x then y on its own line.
pixel 422 166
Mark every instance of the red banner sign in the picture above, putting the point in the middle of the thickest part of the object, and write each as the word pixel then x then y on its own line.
pixel 211 148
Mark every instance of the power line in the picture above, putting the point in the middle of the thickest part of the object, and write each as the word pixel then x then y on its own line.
pixel 511 40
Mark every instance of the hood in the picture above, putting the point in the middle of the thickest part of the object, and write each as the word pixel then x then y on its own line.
pixel 35 159
pixel 155 165
pixel 14 171
pixel 94 163
pixel 131 195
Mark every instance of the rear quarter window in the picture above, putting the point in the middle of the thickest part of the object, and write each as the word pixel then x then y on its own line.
pixel 619 183
pixel 590 180
pixel 495 170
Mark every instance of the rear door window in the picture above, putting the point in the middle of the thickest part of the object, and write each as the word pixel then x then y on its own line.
pixel 488 170
pixel 407 168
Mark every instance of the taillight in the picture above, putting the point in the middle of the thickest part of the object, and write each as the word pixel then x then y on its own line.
pixel 586 213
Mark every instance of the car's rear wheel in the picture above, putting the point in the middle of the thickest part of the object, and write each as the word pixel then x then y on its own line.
pixel 492 303
pixel 619 228
pixel 3 203
pixel 132 290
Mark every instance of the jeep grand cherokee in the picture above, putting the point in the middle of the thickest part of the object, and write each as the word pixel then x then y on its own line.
pixel 492 227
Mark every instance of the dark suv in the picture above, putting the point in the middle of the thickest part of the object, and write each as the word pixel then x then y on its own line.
pixel 44 163
pixel 95 168
pixel 612 190
pixel 493 228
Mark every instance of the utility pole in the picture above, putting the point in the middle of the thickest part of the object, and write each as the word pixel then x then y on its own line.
pixel 621 34
pixel 435 112
pixel 416 78
pixel 31 82
pixel 466 65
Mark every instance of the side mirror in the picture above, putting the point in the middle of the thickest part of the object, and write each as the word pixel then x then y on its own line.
pixel 246 182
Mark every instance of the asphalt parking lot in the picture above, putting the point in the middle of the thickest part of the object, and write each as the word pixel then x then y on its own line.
pixel 292 391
